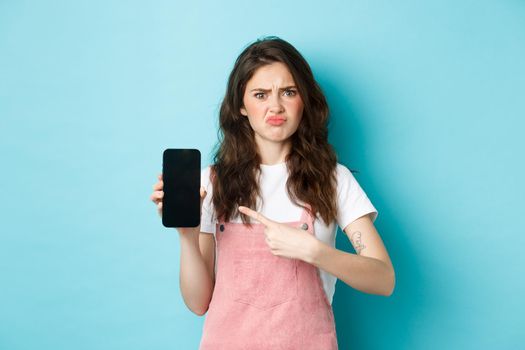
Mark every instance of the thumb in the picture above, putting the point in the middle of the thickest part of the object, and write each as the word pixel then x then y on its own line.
pixel 257 216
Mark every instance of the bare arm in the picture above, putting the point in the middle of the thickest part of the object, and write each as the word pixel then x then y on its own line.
pixel 197 259
pixel 197 270
pixel 370 270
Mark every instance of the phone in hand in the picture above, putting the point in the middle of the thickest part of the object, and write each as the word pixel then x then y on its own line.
pixel 181 174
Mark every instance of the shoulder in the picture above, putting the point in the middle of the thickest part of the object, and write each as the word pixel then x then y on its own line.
pixel 342 170
pixel 346 181
pixel 352 199
pixel 344 175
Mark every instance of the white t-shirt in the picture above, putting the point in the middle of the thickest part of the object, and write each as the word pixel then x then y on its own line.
pixel 352 203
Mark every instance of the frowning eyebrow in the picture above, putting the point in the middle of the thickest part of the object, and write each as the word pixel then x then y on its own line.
pixel 266 90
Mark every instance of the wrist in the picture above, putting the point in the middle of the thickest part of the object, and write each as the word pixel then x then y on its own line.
pixel 188 234
pixel 314 250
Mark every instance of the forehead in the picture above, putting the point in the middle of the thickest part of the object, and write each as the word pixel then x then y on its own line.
pixel 276 73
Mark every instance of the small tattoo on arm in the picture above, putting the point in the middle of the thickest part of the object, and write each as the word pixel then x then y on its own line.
pixel 356 241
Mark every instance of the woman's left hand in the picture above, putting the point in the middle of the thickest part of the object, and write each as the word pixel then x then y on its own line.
pixel 284 240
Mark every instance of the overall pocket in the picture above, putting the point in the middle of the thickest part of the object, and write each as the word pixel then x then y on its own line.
pixel 264 280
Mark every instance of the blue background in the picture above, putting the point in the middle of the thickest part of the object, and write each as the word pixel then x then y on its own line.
pixel 427 101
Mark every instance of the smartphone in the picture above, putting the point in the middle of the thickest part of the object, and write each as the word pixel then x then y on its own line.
pixel 181 174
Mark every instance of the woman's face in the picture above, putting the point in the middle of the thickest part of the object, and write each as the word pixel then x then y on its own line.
pixel 272 103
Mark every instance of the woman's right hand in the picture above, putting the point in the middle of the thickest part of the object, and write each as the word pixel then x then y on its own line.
pixel 158 195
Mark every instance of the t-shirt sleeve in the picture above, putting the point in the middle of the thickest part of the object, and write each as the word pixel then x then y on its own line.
pixel 207 221
pixel 352 200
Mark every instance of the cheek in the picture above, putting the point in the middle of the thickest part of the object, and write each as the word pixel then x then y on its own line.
pixel 253 108
pixel 298 108
pixel 297 104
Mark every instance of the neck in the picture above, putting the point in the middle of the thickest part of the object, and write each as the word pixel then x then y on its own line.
pixel 273 152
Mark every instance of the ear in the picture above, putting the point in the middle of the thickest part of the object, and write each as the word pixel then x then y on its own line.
pixel 243 112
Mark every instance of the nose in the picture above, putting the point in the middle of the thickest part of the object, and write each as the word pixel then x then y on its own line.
pixel 275 104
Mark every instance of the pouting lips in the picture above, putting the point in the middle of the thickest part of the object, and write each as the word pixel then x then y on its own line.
pixel 275 121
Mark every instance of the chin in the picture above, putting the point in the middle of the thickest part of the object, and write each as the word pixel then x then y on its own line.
pixel 280 138
pixel 275 137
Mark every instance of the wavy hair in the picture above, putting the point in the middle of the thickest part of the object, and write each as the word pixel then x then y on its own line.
pixel 311 162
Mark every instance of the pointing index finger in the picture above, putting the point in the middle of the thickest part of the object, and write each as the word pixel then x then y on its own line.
pixel 256 215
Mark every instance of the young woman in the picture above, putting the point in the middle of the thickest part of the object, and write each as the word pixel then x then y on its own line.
pixel 263 263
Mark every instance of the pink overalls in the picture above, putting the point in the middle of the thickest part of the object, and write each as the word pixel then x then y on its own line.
pixel 262 301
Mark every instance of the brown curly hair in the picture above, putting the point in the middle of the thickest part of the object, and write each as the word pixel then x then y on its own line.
pixel 312 160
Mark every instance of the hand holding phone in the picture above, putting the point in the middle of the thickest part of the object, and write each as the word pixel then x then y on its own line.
pixel 181 199
pixel 158 195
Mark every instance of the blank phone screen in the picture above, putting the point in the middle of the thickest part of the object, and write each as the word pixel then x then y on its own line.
pixel 181 174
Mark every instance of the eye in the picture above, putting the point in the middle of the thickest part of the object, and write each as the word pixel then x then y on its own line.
pixel 257 94
pixel 293 92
